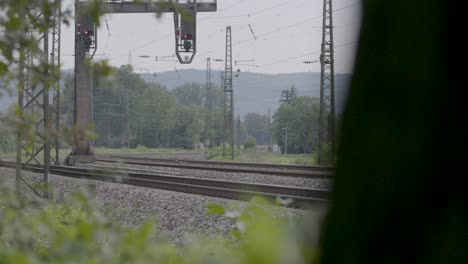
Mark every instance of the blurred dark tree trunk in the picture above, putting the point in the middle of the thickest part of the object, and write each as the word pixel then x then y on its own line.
pixel 398 193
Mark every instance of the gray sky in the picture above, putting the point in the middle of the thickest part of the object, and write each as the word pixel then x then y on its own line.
pixel 288 33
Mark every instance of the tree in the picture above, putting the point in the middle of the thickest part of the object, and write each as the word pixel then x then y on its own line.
pixel 257 127
pixel 154 116
pixel 188 127
pixel 250 142
pixel 190 94
pixel 300 118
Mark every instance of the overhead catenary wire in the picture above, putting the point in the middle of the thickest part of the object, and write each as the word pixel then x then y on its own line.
pixel 296 24
pixel 304 55
pixel 257 36
pixel 286 27
pixel 171 33
pixel 204 19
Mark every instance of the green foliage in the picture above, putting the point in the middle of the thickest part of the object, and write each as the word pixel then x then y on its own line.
pixel 139 149
pixel 216 153
pixel 310 160
pixel 250 142
pixel 75 232
pixel 262 238
pixel 215 209
pixel 300 117
pixel 257 127
pixel 156 117
pixel 187 127
pixel 190 94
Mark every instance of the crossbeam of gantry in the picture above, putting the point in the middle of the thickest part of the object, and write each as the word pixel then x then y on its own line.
pixel 153 7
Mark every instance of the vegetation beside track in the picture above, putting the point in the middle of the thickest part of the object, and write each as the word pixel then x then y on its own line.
pixel 143 149
pixel 76 232
pixel 246 155
pixel 257 156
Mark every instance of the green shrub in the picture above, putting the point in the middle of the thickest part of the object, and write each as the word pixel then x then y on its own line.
pixel 216 153
pixel 250 142
pixel 77 233
pixel 305 160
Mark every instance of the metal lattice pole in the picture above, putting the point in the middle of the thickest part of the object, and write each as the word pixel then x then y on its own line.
pixel 238 133
pixel 326 148
pixel 209 98
pixel 35 109
pixel 55 107
pixel 228 96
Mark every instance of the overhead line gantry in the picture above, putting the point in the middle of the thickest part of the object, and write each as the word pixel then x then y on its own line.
pixel 86 43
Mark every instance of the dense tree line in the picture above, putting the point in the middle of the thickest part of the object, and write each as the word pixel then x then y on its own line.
pixel 128 112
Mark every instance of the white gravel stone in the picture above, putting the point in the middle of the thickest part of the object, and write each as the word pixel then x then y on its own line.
pixel 176 214
pixel 235 176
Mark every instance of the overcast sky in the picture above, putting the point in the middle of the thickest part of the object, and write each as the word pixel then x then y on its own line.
pixel 288 32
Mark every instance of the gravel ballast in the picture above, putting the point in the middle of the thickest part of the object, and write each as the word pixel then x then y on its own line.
pixel 176 214
pixel 302 182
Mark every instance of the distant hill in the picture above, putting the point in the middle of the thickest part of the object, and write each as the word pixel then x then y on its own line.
pixel 255 92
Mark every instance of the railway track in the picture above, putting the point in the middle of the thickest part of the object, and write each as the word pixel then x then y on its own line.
pixel 239 167
pixel 297 197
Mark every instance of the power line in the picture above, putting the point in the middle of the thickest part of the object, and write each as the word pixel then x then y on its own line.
pixel 258 12
pixel 293 25
pixel 283 28
pixel 221 10
pixel 304 55
pixel 211 16
pixel 170 33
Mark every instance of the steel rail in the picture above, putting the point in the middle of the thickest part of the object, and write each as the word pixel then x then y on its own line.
pixel 176 159
pixel 299 197
pixel 204 165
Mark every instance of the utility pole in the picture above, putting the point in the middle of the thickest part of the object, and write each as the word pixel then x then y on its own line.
pixel 141 132
pixel 270 147
pixel 326 146
pixel 285 140
pixel 34 98
pixel 228 96
pixel 130 61
pixel 209 98
pixel 55 109
pixel 127 119
pixel 46 119
pixel 238 132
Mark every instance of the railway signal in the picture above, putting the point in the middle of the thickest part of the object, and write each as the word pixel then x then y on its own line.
pixel 185 36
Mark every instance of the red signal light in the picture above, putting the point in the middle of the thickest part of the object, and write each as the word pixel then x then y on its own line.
pixel 187 36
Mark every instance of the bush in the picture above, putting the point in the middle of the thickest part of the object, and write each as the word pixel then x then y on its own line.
pixel 217 152
pixel 250 142
pixel 76 233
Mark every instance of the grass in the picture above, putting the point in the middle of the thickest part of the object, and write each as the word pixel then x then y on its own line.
pixel 257 156
pixel 142 149
pixel 250 155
